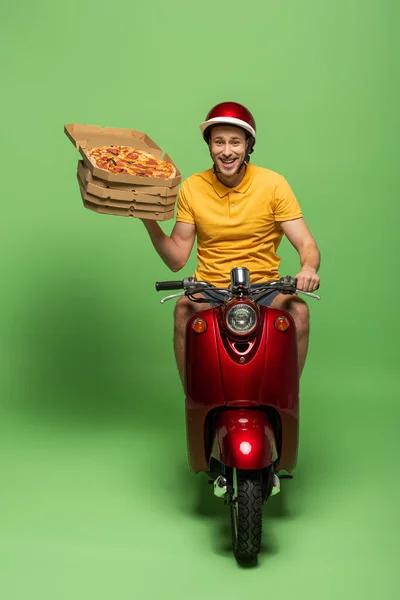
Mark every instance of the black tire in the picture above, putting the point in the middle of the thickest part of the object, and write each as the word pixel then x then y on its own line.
pixel 246 514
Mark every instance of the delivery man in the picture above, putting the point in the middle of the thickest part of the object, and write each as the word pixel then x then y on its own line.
pixel 239 213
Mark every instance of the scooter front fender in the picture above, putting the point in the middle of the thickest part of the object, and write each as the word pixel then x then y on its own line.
pixel 244 439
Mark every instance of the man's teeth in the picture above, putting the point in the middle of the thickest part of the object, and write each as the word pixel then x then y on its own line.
pixel 228 162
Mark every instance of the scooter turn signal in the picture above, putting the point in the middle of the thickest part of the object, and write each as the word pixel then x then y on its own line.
pixel 199 325
pixel 281 323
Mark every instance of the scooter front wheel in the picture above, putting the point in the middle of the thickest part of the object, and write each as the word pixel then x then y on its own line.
pixel 246 513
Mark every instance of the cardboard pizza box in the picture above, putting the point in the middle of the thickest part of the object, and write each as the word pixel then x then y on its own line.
pixel 122 213
pixel 85 137
pixel 125 192
pixel 114 185
pixel 149 203
pixel 133 205
pixel 127 209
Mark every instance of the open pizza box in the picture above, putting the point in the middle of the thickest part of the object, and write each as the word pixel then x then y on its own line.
pixel 85 137
pixel 125 192
pixel 122 213
pixel 141 210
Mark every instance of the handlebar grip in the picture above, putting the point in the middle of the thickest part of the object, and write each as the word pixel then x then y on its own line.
pixel 169 285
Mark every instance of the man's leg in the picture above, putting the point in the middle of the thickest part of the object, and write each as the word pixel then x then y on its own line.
pixel 184 310
pixel 298 309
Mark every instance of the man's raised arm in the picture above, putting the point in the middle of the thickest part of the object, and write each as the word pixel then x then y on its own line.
pixel 175 249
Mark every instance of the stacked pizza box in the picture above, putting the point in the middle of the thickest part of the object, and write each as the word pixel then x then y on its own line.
pixel 122 194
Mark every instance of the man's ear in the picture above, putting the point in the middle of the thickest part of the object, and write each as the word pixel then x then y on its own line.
pixel 250 145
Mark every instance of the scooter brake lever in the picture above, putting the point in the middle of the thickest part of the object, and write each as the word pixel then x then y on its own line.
pixel 170 297
pixel 308 294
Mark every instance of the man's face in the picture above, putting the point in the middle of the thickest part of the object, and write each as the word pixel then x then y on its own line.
pixel 228 148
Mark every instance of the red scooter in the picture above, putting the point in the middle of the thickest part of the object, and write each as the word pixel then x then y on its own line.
pixel 242 396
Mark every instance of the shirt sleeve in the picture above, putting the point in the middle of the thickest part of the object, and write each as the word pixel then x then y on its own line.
pixel 184 211
pixel 286 206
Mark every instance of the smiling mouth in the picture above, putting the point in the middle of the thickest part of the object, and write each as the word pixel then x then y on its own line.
pixel 228 162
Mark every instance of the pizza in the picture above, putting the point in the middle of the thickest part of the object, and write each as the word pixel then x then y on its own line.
pixel 130 161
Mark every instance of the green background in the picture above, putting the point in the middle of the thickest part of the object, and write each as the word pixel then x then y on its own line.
pixel 96 500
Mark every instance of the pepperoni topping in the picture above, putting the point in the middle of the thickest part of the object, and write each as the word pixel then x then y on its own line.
pixel 121 159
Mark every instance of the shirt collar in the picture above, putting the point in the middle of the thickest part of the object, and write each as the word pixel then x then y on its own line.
pixel 222 190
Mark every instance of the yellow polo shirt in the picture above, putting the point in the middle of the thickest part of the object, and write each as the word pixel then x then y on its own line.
pixel 237 227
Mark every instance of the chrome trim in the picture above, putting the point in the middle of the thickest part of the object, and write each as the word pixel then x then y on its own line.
pixel 309 294
pixel 170 297
pixel 240 277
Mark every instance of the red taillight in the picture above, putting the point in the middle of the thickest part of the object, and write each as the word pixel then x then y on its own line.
pixel 245 447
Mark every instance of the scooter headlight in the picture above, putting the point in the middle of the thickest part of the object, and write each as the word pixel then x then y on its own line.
pixel 241 318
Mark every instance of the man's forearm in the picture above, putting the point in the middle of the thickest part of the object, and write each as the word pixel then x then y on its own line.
pixel 310 257
pixel 164 245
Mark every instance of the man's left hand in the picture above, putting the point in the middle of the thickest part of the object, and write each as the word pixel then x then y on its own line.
pixel 307 280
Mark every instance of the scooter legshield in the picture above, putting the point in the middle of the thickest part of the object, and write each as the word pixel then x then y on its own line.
pixel 244 439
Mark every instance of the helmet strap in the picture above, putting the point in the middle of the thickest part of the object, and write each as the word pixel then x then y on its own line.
pixel 215 170
pixel 246 157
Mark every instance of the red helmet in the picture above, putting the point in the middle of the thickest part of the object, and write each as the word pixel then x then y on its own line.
pixel 230 113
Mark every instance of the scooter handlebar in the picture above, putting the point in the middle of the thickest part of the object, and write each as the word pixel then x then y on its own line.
pixel 169 285
pixel 285 285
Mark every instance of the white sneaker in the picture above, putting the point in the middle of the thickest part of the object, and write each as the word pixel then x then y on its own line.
pixel 276 486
